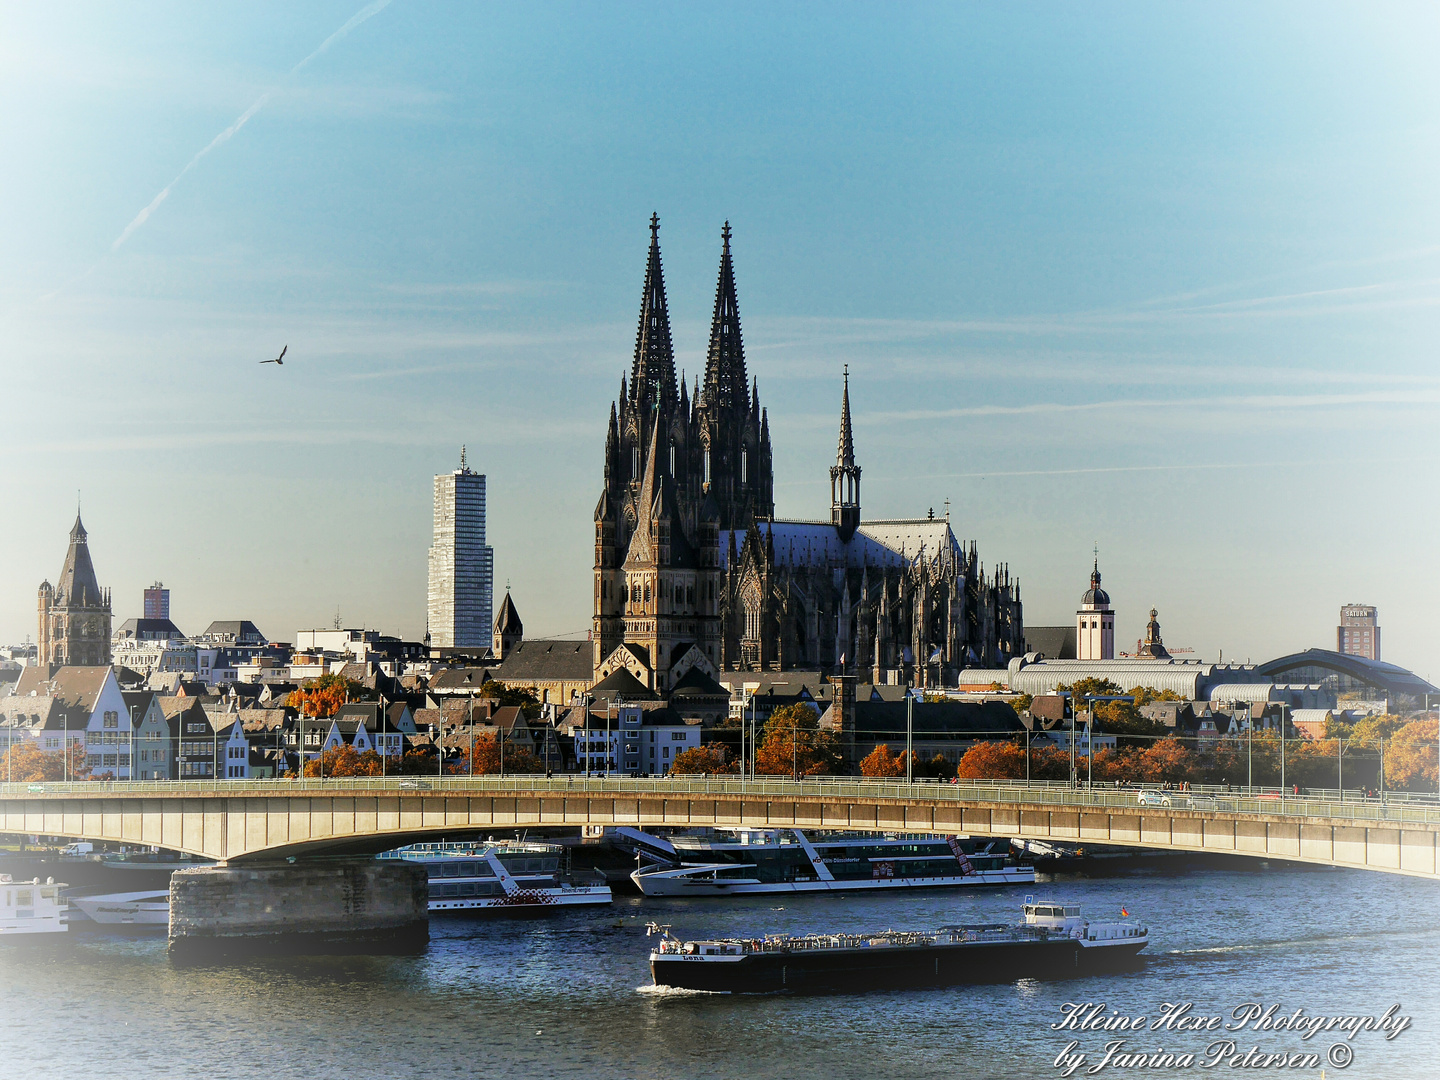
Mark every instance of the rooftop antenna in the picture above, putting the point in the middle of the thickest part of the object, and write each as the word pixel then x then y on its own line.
pixel 337 616
pixel 462 458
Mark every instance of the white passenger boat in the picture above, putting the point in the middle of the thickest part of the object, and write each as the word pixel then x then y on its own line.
pixel 729 862
pixel 149 908
pixel 31 907
pixel 508 876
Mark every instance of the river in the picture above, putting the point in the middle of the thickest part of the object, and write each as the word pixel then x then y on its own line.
pixel 564 996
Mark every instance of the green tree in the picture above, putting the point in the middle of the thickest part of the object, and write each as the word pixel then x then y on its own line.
pixel 1124 720
pixel 523 696
pixel 1145 695
pixel 1087 688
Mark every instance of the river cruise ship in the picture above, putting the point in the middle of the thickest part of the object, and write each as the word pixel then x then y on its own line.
pixel 1053 941
pixel 512 876
pixel 148 909
pixel 31 907
pixel 727 862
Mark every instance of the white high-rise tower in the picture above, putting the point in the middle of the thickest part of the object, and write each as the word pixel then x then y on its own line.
pixel 462 566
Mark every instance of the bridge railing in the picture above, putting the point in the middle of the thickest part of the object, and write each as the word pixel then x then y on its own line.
pixel 1271 803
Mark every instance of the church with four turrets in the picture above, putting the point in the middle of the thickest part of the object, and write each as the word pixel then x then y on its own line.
pixel 695 574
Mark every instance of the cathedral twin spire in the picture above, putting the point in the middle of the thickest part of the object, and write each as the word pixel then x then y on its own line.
pixel 652 376
pixel 725 385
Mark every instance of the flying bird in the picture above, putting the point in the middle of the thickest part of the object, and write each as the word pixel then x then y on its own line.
pixel 279 359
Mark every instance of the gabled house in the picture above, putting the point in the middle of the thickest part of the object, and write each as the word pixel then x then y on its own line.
pixel 92 697
pixel 382 728
pixel 267 731
pixel 236 748
pixel 197 740
pixel 152 755
pixel 32 718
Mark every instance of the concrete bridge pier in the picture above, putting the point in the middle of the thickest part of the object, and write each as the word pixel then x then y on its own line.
pixel 299 908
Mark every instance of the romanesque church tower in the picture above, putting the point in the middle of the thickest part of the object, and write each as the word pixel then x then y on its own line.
pixel 678 470
pixel 75 613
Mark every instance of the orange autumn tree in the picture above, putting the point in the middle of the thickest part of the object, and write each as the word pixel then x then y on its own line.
pixel 1006 761
pixel 485 758
pixel 992 761
pixel 792 743
pixel 1410 759
pixel 26 763
pixel 711 758
pixel 882 762
pixel 346 761
pixel 323 697
pixel 1166 761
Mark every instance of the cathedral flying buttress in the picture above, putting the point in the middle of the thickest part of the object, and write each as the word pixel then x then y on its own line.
pixel 693 570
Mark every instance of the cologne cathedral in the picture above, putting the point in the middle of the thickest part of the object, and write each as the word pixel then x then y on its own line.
pixel 694 572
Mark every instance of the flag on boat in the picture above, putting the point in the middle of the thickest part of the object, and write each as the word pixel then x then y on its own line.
pixel 1124 912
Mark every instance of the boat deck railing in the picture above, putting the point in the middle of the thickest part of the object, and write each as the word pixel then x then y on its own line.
pixel 787 943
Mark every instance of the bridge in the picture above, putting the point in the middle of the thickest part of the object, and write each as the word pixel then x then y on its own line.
pixel 245 823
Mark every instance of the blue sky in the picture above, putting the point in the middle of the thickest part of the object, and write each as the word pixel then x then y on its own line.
pixel 1161 277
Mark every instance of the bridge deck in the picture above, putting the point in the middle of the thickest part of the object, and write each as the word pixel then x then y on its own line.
pixel 258 820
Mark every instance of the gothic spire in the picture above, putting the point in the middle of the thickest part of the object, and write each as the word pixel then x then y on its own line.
pixel 652 376
pixel 725 385
pixel 845 453
pixel 845 475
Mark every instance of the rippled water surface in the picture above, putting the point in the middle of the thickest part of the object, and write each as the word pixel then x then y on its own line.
pixel 565 996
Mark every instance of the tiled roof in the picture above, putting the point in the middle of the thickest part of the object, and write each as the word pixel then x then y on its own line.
pixel 541 659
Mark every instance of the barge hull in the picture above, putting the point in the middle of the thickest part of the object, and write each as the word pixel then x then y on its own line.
pixel 887 967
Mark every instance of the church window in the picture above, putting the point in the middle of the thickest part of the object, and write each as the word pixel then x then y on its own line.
pixel 635 461
pixel 689 594
pixel 647 593
pixel 744 464
pixel 635 593
pixel 707 465
pixel 672 459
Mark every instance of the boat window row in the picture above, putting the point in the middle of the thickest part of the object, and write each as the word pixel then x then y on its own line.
pixel 465 888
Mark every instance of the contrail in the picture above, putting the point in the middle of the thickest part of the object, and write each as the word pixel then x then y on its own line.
pixel 373 8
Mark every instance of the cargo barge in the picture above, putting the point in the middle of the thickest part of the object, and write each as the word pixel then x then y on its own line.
pixel 1053 942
